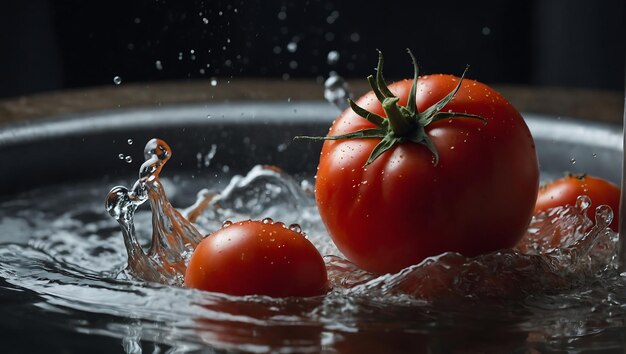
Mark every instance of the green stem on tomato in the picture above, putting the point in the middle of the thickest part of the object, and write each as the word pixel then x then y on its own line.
pixel 398 122
pixel 402 123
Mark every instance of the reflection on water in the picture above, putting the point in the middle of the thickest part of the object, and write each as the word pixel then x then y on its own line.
pixel 558 290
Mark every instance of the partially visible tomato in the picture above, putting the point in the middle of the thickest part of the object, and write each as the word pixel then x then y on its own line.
pixel 436 170
pixel 257 258
pixel 564 191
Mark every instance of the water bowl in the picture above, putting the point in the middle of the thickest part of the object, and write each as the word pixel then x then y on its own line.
pixel 62 258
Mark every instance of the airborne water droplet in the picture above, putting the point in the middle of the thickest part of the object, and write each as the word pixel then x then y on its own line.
pixel 117 80
pixel 213 82
pixel 572 161
pixel 337 91
pixel 128 159
pixel 333 57
pixel 130 141
pixel 583 202
pixel 292 47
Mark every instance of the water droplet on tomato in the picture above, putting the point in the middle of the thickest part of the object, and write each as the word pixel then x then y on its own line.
pixel 296 228
pixel 227 223
pixel 268 221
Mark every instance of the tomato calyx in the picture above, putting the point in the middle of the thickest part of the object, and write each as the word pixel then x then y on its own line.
pixel 402 123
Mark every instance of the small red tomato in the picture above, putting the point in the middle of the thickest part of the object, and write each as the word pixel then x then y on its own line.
pixel 564 191
pixel 257 258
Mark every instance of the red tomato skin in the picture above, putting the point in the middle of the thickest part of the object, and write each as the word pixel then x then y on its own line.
pixel 402 208
pixel 565 191
pixel 257 258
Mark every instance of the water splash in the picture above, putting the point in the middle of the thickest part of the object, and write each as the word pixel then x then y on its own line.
pixel 173 237
pixel 562 249
pixel 337 91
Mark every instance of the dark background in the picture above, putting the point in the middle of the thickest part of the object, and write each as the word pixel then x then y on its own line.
pixel 60 44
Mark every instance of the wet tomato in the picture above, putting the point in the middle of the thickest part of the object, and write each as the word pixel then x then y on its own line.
pixel 257 258
pixel 564 191
pixel 425 166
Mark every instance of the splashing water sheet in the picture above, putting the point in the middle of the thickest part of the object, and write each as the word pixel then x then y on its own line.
pixel 559 289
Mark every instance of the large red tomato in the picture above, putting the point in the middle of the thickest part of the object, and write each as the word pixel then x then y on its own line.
pixel 257 258
pixel 439 179
pixel 565 190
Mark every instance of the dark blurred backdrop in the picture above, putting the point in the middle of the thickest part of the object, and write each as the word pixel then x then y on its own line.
pixel 58 44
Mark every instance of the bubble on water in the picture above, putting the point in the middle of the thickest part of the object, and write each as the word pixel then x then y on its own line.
pixel 117 80
pixel 213 82
pixel 332 57
pixel 128 159
pixel 158 65
pixel 292 47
